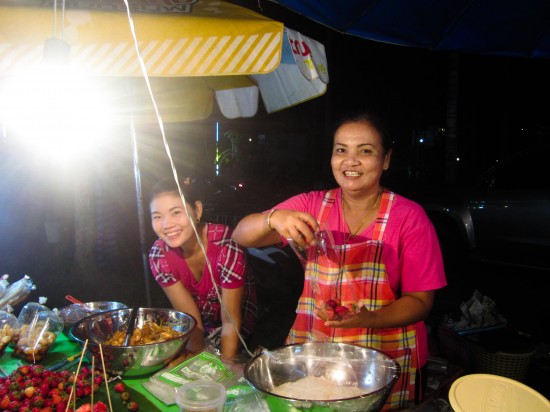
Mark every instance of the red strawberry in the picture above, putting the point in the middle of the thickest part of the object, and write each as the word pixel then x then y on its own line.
pixel 333 303
pixel 132 406
pixel 341 310
pixel 29 391
pixel 14 406
pixel 37 401
pixel 85 408
pixel 100 407
pixel 61 407
pixel 44 389
pixel 119 387
pixel 24 369
pixel 37 370
pixel 329 314
pixel 4 403
pixel 56 398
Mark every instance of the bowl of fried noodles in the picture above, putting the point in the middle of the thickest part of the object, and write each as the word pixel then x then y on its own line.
pixel 157 336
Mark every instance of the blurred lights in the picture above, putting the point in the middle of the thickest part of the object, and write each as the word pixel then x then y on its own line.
pixel 56 113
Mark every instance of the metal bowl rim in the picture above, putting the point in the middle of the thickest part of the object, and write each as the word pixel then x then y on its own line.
pixel 392 382
pixel 83 341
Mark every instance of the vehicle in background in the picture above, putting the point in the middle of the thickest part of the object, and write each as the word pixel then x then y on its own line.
pixel 504 218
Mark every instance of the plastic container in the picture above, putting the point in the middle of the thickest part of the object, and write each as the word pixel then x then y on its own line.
pixel 487 393
pixel 201 396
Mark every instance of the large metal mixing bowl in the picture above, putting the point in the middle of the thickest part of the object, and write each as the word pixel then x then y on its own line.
pixel 341 364
pixel 132 360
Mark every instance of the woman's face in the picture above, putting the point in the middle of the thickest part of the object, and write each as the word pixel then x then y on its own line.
pixel 169 220
pixel 358 158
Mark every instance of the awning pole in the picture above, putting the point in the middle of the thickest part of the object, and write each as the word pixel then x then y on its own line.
pixel 139 200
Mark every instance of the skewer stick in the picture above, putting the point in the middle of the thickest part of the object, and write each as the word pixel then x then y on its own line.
pixel 105 377
pixel 93 384
pixel 73 391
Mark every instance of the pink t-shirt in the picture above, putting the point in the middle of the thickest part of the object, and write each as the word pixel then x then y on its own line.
pixel 411 252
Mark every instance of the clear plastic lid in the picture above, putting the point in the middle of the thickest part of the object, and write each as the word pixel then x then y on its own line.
pixel 201 396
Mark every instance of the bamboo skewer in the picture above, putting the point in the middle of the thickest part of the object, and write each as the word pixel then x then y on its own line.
pixel 73 391
pixel 93 384
pixel 105 377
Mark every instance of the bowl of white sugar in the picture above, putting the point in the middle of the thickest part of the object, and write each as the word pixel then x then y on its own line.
pixel 337 376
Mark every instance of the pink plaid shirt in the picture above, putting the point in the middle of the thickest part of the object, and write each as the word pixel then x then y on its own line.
pixel 227 260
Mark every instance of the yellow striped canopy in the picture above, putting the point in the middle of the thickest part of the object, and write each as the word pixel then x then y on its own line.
pixel 206 39
pixel 190 48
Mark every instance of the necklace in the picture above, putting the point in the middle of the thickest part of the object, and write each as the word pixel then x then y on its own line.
pixel 353 233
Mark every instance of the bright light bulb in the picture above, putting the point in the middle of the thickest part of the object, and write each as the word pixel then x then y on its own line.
pixel 58 114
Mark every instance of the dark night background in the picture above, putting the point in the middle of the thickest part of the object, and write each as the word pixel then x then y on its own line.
pixel 503 106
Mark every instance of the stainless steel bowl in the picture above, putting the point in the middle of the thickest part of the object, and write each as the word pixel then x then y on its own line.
pixel 341 364
pixel 132 360
pixel 73 313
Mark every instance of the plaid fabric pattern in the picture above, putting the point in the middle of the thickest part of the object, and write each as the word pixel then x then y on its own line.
pixel 227 259
pixel 357 275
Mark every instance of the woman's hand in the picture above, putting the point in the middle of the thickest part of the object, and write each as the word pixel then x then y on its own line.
pixel 232 300
pixel 298 226
pixel 410 308
pixel 363 319
pixel 263 229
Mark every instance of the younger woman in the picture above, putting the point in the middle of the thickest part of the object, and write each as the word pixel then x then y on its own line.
pixel 190 279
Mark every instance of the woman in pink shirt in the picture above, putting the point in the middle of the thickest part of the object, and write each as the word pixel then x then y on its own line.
pixel 389 263
pixel 200 268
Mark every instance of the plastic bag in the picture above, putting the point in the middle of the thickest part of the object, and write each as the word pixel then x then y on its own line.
pixel 16 292
pixel 333 294
pixel 8 327
pixel 38 329
pixel 203 366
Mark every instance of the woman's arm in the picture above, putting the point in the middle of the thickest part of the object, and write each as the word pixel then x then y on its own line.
pixel 232 300
pixel 263 229
pixel 407 310
pixel 181 300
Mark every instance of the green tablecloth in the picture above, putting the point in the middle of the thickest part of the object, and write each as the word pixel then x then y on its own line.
pixel 63 348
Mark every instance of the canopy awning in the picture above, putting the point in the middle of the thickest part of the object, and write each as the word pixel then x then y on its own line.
pixel 519 28
pixel 190 49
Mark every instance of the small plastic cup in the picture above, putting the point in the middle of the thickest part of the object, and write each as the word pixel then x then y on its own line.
pixel 201 396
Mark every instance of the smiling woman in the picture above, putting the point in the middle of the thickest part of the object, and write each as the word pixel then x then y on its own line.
pixel 56 113
pixel 379 275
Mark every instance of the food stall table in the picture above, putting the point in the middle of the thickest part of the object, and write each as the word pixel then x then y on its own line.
pixel 64 348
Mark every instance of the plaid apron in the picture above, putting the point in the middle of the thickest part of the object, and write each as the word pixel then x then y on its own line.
pixel 356 274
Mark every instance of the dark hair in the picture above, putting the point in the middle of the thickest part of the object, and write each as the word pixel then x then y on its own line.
pixel 375 120
pixel 191 191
